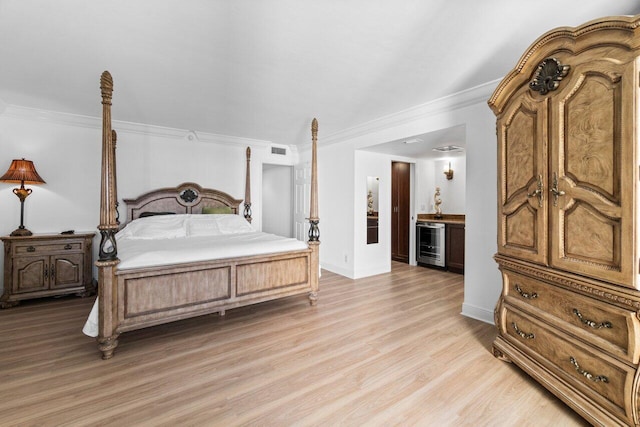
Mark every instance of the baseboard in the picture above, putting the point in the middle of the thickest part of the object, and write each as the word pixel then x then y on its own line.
pixel 478 313
pixel 338 270
pixel 372 271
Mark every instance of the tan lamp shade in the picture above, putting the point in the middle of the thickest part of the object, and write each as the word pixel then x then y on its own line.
pixel 22 171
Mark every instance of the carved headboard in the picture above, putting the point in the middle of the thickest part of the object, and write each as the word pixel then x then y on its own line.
pixel 184 199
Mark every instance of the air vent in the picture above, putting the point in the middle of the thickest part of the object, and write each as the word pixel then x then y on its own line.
pixel 448 148
pixel 279 151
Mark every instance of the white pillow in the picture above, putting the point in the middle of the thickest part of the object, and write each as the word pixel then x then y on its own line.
pixel 202 225
pixel 232 224
pixel 155 227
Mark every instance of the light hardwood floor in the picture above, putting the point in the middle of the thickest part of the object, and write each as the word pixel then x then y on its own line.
pixel 387 350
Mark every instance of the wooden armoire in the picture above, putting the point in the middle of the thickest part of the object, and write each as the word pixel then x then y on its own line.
pixel 567 131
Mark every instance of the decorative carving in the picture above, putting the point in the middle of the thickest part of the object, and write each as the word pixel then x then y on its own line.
pixel 247 211
pixel 108 249
pixel 188 195
pixel 314 231
pixel 536 273
pixel 548 75
pixel 106 87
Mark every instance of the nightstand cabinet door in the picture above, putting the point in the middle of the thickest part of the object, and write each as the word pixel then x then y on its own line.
pixel 66 271
pixel 30 274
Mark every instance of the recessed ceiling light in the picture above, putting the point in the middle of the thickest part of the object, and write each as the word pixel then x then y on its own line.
pixel 412 141
pixel 448 148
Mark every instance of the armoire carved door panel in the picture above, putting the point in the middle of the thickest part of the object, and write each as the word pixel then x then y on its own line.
pixel 522 136
pixel 591 184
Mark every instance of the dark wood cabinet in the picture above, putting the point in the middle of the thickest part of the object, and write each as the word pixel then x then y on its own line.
pixel 454 247
pixel 46 265
pixel 400 212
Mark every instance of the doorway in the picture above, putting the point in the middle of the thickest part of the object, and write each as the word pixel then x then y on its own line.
pixel 277 200
pixel 400 211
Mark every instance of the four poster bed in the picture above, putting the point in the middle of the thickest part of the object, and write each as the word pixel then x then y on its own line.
pixel 138 289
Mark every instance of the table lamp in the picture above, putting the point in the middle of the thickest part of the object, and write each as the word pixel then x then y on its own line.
pixel 24 172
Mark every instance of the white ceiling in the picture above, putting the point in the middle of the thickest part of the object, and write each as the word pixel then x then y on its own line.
pixel 263 69
pixel 422 146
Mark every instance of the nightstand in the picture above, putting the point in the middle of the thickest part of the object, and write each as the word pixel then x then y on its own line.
pixel 46 265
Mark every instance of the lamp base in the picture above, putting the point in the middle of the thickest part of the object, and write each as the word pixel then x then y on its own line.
pixel 21 232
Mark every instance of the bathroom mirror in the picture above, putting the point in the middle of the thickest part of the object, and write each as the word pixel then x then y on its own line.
pixel 372 209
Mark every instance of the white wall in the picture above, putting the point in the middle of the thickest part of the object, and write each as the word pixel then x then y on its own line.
pixel 429 175
pixel 340 164
pixel 336 207
pixel 277 200
pixel 66 151
pixel 374 258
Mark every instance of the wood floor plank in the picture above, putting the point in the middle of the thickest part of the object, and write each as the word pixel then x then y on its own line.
pixel 391 349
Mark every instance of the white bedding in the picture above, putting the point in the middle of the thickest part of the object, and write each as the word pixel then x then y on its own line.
pixel 175 239
pixel 188 238
pixel 135 253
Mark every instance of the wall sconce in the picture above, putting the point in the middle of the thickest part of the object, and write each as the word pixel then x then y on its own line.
pixel 22 171
pixel 449 172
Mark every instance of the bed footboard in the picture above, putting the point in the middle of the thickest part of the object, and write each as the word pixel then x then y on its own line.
pixel 148 297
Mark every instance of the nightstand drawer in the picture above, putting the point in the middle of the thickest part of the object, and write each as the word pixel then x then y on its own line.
pixel 594 321
pixel 604 379
pixel 47 247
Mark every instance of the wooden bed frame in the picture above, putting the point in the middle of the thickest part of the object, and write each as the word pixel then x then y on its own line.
pixel 141 297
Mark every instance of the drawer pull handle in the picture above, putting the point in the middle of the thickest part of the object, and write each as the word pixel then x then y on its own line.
pixel 587 375
pixel 591 323
pixel 31 249
pixel 68 246
pixel 526 295
pixel 46 272
pixel 524 335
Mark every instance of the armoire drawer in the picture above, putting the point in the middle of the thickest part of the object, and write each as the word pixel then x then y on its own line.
pixel 606 326
pixel 606 380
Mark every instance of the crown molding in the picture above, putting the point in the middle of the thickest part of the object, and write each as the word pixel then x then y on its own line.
pixel 445 104
pixel 77 120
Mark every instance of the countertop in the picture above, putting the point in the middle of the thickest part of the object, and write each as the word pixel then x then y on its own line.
pixel 444 219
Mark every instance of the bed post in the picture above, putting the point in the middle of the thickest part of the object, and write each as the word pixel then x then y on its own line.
pixel 247 188
pixel 114 141
pixel 314 231
pixel 108 252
